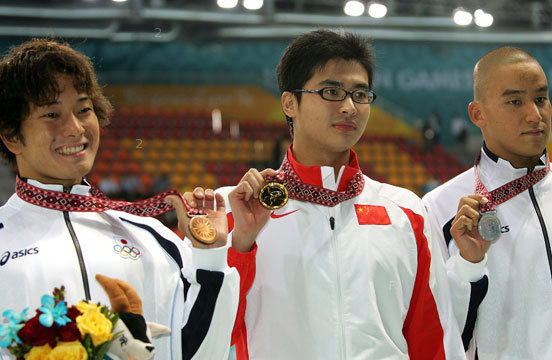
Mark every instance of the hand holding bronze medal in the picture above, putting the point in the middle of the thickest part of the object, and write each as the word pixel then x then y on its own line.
pixel 274 194
pixel 201 228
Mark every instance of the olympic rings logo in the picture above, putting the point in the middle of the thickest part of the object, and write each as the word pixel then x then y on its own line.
pixel 126 250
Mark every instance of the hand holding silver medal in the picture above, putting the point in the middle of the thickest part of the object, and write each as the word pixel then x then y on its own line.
pixel 489 225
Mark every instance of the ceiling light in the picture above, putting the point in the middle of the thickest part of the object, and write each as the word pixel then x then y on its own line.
pixel 482 18
pixel 119 0
pixel 377 10
pixel 462 17
pixel 252 4
pixel 227 4
pixel 354 8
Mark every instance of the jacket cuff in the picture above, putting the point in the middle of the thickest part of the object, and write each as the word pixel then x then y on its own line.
pixel 467 270
pixel 213 259
pixel 242 258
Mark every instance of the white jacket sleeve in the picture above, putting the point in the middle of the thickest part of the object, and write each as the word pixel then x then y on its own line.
pixel 210 305
pixel 466 280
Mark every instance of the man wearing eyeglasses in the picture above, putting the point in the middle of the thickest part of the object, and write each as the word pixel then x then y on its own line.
pixel 344 269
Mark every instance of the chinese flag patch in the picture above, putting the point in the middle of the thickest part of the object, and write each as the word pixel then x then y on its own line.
pixel 372 215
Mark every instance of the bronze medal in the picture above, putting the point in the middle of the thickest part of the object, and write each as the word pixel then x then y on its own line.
pixel 273 195
pixel 202 230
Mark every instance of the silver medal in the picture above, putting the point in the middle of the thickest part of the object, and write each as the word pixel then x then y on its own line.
pixel 489 226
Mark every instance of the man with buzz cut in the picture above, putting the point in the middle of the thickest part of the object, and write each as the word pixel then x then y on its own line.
pixel 500 260
pixel 57 229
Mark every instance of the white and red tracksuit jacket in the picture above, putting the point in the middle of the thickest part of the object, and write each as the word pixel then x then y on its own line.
pixel 332 283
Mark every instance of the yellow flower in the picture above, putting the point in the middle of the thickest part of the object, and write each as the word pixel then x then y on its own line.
pixel 68 351
pixel 38 353
pixel 83 307
pixel 95 323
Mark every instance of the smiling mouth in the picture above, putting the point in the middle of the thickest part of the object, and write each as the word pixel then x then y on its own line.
pixel 70 150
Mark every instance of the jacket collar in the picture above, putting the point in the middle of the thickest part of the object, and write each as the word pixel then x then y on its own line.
pixel 495 171
pixel 324 176
pixel 79 189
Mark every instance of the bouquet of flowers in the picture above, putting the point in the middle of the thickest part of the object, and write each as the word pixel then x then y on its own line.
pixel 80 332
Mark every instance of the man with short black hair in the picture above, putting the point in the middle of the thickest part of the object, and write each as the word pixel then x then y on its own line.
pixel 344 270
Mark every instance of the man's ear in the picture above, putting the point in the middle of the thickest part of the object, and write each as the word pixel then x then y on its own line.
pixel 13 143
pixel 289 104
pixel 476 115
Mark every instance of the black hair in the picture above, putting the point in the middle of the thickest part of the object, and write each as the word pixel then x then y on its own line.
pixel 312 51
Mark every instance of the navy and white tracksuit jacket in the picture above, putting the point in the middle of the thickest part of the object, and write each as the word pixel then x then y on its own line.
pixel 191 291
pixel 503 303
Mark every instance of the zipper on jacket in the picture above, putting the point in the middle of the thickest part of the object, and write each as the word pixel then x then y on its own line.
pixel 339 296
pixel 542 224
pixel 84 274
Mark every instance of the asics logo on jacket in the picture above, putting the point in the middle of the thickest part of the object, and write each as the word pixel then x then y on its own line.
pixel 17 254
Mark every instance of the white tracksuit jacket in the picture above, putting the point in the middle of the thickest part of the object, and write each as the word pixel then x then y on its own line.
pixel 328 288
pixel 508 312
pixel 191 291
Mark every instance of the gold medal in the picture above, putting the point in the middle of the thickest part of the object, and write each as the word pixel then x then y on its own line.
pixel 273 195
pixel 202 230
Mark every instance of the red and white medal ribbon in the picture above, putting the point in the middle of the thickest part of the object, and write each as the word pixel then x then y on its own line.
pixel 279 177
pixel 97 202
pixel 509 190
pixel 190 211
pixel 316 194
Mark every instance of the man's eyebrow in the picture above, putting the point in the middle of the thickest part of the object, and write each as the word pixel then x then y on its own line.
pixel 331 83
pixel 55 102
pixel 340 84
pixel 509 92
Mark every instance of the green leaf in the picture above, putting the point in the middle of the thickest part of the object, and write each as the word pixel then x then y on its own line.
pixel 102 349
pixel 114 319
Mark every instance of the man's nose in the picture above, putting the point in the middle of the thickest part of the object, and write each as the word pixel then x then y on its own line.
pixel 72 125
pixel 348 106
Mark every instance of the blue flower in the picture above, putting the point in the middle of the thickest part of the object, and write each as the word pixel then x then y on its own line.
pixel 51 313
pixel 8 332
pixel 23 317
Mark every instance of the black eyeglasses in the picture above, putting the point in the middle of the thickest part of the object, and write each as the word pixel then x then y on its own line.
pixel 360 96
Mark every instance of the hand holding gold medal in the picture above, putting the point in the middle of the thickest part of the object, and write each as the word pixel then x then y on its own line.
pixel 201 217
pixel 249 214
pixel 274 194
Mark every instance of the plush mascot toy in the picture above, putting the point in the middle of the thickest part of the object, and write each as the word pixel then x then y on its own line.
pixel 133 341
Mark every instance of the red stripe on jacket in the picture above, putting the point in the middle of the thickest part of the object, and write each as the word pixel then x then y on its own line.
pixel 422 327
pixel 246 266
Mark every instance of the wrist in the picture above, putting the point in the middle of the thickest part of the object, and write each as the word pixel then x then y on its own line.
pixel 241 242
pixel 473 258
pixel 200 245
